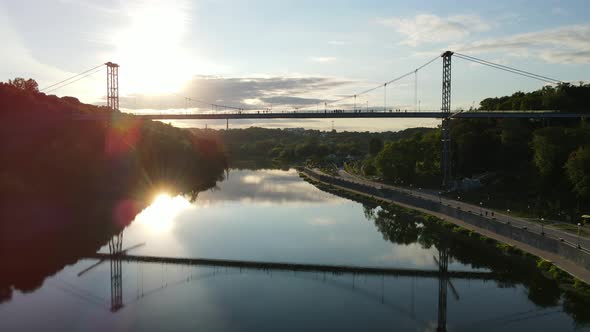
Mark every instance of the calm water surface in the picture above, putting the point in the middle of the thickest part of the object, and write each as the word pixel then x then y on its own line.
pixel 272 215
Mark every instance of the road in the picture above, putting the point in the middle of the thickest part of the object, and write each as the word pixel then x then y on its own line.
pixel 549 231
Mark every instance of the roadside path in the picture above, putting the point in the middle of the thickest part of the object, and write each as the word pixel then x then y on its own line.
pixel 534 227
pixel 563 263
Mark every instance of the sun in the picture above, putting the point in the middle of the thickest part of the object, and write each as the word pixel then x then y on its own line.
pixel 161 215
pixel 150 48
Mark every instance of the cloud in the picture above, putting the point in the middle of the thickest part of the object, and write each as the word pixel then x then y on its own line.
pixel 559 11
pixel 322 221
pixel 338 42
pixel 323 59
pixel 19 61
pixel 428 28
pixel 286 100
pixel 267 186
pixel 240 92
pixel 565 45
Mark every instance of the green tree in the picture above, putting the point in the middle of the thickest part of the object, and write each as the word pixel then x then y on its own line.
pixel 28 85
pixel 397 160
pixel 578 171
pixel 551 148
pixel 375 145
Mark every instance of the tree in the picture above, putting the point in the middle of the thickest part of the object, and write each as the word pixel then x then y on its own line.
pixel 28 85
pixel 551 147
pixel 375 145
pixel 577 170
pixel 397 160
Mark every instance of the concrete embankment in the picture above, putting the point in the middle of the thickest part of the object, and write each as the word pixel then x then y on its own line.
pixel 565 256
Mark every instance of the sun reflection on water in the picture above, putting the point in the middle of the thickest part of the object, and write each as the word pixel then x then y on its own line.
pixel 159 217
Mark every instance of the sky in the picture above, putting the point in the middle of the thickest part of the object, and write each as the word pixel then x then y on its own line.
pixel 289 55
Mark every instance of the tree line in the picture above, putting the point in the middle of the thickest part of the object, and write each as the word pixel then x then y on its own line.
pixel 67 186
pixel 538 166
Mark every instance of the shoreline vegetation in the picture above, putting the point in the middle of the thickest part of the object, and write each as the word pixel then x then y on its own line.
pixel 67 186
pixel 575 291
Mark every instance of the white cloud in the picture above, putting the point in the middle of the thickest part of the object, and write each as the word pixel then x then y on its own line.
pixel 323 59
pixel 273 90
pixel 428 28
pixel 19 61
pixel 338 42
pixel 559 11
pixel 565 45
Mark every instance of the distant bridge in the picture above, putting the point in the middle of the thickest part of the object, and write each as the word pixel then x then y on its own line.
pixel 348 115
pixel 334 109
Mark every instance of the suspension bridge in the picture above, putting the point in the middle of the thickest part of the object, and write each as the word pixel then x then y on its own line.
pixel 346 107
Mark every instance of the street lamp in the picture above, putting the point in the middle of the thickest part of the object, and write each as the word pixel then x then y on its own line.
pixel 579 235
pixel 585 217
pixel 481 208
pixel 542 226
pixel 439 197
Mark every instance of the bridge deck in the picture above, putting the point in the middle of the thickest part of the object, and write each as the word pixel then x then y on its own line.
pixel 298 267
pixel 346 115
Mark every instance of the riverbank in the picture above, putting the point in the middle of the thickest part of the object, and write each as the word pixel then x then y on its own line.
pixel 549 262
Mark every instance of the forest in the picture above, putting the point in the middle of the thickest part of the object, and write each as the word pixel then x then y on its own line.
pixel 47 151
pixel 67 186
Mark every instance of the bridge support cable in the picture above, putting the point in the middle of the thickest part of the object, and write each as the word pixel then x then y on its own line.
pixel 446 122
pixel 71 82
pixel 65 82
pixel 385 97
pixel 387 83
pixel 416 90
pixel 508 69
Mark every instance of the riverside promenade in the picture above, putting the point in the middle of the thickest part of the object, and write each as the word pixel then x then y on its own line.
pixel 550 246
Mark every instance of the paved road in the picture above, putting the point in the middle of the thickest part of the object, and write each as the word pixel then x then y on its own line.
pixel 499 217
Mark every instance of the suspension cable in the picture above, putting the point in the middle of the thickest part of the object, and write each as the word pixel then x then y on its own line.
pixel 74 81
pixel 71 77
pixel 216 106
pixel 508 69
pixel 416 90
pixel 388 82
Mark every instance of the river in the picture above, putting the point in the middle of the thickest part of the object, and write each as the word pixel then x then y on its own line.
pixel 275 216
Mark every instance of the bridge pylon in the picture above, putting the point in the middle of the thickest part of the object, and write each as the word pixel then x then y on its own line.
pixel 443 280
pixel 445 162
pixel 115 251
pixel 112 86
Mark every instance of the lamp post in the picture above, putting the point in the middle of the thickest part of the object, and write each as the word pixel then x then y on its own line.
pixel 579 235
pixel 542 226
pixel 481 208
pixel 439 197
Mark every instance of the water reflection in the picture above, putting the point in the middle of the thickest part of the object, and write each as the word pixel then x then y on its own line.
pixel 117 255
pixel 441 281
pixel 370 287
pixel 265 187
pixel 160 215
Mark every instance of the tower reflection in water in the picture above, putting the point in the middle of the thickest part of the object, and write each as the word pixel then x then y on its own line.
pixel 117 255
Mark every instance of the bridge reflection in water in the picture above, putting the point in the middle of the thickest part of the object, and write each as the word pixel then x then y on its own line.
pixel 117 255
